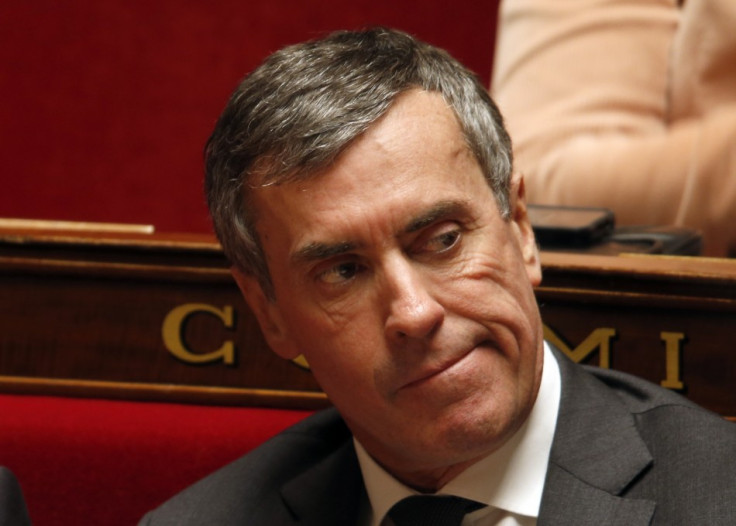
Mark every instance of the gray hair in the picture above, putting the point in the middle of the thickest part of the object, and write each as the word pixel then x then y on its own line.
pixel 305 104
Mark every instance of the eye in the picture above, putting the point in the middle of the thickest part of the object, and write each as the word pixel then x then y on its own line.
pixel 442 242
pixel 340 273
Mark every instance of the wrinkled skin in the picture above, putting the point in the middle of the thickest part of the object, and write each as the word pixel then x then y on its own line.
pixel 410 296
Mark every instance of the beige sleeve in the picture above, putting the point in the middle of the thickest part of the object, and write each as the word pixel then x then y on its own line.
pixel 595 97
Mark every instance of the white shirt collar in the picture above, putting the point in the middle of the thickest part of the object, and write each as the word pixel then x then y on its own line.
pixel 511 478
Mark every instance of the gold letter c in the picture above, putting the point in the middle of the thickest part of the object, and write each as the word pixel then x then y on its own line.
pixel 173 328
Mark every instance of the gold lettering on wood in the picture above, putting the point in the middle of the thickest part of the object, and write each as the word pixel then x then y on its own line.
pixel 673 347
pixel 598 339
pixel 172 332
pixel 301 361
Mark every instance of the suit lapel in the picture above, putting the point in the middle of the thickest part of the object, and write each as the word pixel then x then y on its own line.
pixel 569 500
pixel 596 454
pixel 329 493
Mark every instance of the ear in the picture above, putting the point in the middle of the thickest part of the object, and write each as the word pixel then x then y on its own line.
pixel 523 229
pixel 268 314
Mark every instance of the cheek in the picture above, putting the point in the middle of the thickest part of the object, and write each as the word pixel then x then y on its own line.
pixel 499 296
pixel 342 350
pixel 485 285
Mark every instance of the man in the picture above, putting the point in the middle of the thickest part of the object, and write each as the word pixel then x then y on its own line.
pixel 362 187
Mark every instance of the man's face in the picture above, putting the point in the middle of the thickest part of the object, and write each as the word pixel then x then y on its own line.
pixel 407 292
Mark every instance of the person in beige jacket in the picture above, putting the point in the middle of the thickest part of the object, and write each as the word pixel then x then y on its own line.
pixel 629 105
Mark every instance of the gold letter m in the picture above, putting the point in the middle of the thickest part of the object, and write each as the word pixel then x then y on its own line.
pixel 600 337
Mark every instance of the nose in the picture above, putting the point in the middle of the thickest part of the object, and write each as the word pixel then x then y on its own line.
pixel 413 311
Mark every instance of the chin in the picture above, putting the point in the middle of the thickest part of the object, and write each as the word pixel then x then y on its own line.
pixel 483 428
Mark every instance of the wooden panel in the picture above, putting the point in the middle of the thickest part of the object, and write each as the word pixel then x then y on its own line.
pixel 667 319
pixel 86 315
pixel 153 317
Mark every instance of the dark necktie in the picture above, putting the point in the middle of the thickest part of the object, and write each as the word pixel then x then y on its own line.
pixel 431 510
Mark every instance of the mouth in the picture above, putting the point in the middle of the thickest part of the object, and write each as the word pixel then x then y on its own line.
pixel 430 372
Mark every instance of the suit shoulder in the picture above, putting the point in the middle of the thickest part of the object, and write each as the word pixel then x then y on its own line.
pixel 13 509
pixel 235 491
pixel 639 395
pixel 677 431
pixel 687 465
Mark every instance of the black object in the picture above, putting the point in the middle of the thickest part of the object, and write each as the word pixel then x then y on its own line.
pixel 593 231
pixel 567 226
pixel 432 510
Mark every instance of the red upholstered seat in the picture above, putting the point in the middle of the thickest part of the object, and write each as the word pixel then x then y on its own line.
pixel 90 461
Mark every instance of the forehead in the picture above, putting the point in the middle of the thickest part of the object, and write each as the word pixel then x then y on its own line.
pixel 412 157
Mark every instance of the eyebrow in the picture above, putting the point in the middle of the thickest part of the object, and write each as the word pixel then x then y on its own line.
pixel 317 251
pixel 439 211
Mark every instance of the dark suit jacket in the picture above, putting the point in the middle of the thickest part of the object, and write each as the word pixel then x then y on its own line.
pixel 13 510
pixel 625 452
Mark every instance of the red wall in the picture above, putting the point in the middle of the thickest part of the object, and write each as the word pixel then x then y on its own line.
pixel 106 104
